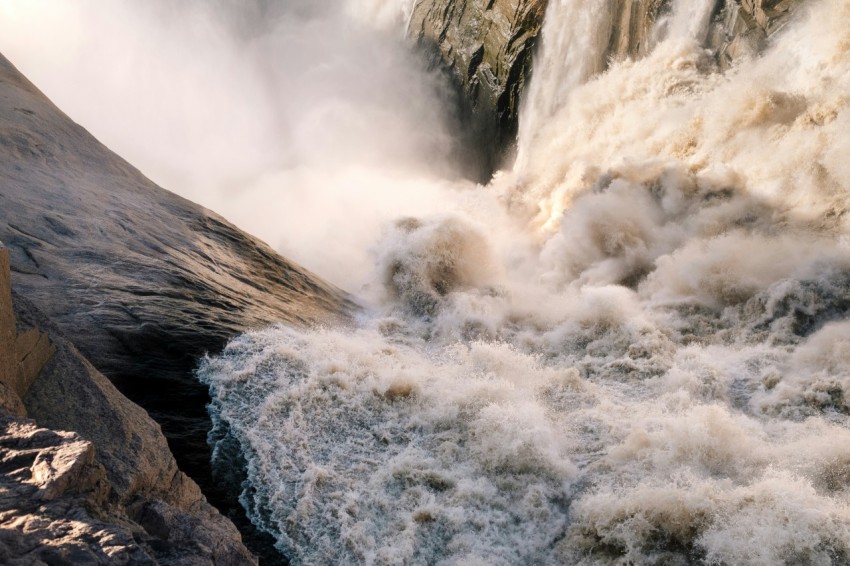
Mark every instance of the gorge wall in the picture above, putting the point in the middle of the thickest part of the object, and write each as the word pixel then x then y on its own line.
pixel 488 47
pixel 144 281
pixel 88 477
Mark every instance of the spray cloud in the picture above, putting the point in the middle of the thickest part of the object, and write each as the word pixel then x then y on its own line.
pixel 642 359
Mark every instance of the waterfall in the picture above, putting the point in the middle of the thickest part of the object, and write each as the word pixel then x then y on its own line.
pixel 575 39
pixel 689 20
pixel 631 349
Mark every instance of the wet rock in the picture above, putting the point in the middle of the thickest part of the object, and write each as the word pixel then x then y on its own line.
pixel 631 28
pixel 744 27
pixel 487 45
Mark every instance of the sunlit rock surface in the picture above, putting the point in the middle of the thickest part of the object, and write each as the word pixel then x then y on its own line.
pixel 107 493
pixel 146 282
pixel 143 281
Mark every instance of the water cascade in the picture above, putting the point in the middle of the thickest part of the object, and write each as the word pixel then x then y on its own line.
pixel 632 348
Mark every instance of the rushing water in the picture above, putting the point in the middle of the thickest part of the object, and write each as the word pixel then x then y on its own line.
pixel 634 348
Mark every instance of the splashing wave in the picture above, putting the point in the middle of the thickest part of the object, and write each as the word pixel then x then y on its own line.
pixel 641 356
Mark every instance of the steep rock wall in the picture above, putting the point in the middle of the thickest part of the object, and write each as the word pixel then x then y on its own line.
pixel 107 492
pixel 743 27
pixel 23 353
pixel 631 27
pixel 488 47
pixel 146 282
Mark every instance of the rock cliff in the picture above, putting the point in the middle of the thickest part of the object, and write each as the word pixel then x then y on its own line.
pixel 22 355
pixel 743 27
pixel 145 281
pixel 487 46
pixel 88 478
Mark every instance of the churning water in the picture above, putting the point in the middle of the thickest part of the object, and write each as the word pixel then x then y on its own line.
pixel 632 348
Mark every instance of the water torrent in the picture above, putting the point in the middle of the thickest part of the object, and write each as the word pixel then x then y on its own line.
pixel 689 20
pixel 570 55
pixel 632 348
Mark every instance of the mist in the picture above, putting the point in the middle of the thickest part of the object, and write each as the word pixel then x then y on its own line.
pixel 308 123
pixel 633 351
pixel 629 347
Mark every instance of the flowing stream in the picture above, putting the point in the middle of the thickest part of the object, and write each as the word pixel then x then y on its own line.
pixel 631 348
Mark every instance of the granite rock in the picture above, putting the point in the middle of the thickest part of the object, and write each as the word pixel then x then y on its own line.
pixel 487 46
pixel 744 27
pixel 110 491
pixel 144 281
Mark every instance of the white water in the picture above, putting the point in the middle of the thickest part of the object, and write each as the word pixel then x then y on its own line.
pixel 688 20
pixel 633 349
pixel 570 54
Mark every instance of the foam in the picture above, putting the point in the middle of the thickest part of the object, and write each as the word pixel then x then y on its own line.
pixel 632 350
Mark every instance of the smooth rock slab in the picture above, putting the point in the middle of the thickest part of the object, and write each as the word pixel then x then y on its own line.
pixel 145 282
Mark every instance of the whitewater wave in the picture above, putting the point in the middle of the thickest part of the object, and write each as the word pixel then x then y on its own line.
pixel 634 350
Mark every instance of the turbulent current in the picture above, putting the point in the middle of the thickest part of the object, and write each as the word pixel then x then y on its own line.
pixel 633 347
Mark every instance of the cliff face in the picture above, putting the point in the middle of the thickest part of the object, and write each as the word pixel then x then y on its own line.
pixel 145 281
pixel 487 46
pixel 109 492
pixel 22 355
pixel 743 27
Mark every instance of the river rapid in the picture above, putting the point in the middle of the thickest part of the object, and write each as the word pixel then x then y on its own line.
pixel 631 347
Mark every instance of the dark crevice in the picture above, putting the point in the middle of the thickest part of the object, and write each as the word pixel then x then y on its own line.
pixel 161 380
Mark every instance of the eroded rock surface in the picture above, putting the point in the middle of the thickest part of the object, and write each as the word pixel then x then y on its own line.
pixel 110 491
pixel 146 282
pixel 488 46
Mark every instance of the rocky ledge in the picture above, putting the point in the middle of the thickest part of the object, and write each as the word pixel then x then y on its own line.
pixel 743 27
pixel 109 492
